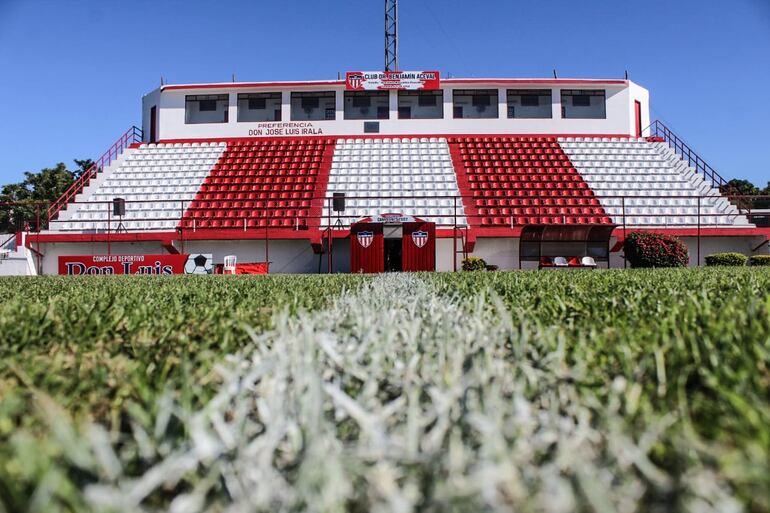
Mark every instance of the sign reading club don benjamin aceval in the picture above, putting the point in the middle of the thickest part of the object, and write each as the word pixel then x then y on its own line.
pixel 387 80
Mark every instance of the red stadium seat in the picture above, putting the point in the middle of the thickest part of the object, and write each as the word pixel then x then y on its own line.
pixel 532 174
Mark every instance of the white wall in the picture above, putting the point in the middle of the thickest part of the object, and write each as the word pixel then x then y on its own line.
pixel 148 102
pixel 502 252
pixel 296 256
pixel 620 115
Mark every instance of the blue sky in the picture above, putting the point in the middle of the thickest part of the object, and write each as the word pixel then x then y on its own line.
pixel 72 72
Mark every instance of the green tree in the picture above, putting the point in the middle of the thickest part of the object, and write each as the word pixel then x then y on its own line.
pixel 32 195
pixel 743 187
pixel 740 187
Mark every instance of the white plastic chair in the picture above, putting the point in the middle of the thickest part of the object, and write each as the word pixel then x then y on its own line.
pixel 560 262
pixel 229 266
pixel 588 261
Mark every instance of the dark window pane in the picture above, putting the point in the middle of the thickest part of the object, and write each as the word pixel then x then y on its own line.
pixel 207 105
pixel 257 104
pixel 581 101
pixel 310 103
pixel 425 100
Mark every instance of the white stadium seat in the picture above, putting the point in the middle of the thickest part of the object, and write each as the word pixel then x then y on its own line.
pixel 420 168
pixel 653 181
pixel 156 180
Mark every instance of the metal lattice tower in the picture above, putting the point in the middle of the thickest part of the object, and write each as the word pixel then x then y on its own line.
pixel 391 35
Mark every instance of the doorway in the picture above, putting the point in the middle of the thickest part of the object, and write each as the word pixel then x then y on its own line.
pixel 638 117
pixel 393 263
pixel 154 124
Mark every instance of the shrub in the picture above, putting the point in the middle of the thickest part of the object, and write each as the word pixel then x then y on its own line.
pixel 474 264
pixel 645 249
pixel 760 260
pixel 727 259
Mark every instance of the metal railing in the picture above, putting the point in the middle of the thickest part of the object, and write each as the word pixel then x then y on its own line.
pixel 694 160
pixel 464 219
pixel 693 211
pixel 131 136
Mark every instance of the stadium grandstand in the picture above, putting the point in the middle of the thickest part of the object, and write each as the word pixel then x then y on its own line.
pixel 393 171
pixel 386 171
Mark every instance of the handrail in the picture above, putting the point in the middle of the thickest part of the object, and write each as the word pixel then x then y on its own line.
pixel 538 208
pixel 132 135
pixel 9 239
pixel 658 129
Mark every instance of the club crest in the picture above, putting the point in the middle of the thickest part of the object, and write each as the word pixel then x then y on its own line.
pixel 355 81
pixel 420 238
pixel 365 239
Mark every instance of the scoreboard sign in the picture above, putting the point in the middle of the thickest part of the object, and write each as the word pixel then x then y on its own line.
pixel 396 80
pixel 134 264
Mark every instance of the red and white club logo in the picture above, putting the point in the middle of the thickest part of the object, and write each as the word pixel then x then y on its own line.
pixel 420 238
pixel 355 81
pixel 365 239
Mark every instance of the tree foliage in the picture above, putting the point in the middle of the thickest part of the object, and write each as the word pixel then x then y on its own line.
pixel 746 188
pixel 32 194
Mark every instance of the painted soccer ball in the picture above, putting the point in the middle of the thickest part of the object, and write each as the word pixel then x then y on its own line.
pixel 198 264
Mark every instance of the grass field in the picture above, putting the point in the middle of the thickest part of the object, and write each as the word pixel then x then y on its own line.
pixel 543 392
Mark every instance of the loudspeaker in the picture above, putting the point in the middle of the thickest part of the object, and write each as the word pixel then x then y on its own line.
pixel 118 207
pixel 338 201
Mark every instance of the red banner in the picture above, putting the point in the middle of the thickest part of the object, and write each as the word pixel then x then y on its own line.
pixel 122 264
pixel 386 80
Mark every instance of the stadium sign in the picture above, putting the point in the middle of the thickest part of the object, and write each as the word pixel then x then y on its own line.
pixel 392 219
pixel 134 264
pixel 395 80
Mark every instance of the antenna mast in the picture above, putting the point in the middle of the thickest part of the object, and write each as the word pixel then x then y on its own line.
pixel 391 35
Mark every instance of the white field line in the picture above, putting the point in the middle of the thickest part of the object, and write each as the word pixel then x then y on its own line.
pixel 397 399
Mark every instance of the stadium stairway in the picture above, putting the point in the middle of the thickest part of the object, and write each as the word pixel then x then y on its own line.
pixel 509 180
pixel 411 176
pixel 649 183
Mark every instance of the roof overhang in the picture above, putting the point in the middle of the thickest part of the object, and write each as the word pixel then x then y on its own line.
pixel 445 81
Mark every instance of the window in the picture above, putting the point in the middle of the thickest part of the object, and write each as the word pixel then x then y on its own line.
pixel 529 104
pixel 475 103
pixel 421 104
pixel 313 106
pixel 371 127
pixel 425 100
pixel 253 107
pixel 257 104
pixel 207 105
pixel 209 108
pixel 583 104
pixel 367 104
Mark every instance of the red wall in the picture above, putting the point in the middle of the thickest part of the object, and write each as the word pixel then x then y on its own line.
pixel 369 259
pixel 415 258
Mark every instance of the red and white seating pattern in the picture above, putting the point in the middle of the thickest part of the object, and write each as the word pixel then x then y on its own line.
pixel 410 176
pixel 504 181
